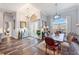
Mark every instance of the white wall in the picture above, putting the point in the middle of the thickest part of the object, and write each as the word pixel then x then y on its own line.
pixel 25 11
pixel 1 21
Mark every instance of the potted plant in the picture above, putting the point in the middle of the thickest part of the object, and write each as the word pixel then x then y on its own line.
pixel 38 32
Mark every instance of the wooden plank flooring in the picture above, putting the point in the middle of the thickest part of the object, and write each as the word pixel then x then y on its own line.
pixel 12 46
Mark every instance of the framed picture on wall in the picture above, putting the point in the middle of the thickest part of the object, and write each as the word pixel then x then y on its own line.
pixel 22 24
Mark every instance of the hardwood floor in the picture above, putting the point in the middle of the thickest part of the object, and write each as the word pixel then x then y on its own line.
pixel 26 46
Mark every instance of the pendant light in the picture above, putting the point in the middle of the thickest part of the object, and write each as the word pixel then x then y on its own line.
pixel 56 15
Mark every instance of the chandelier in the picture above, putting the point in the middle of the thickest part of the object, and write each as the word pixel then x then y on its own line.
pixel 56 15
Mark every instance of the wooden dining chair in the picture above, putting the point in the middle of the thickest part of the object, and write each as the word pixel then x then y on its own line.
pixel 51 44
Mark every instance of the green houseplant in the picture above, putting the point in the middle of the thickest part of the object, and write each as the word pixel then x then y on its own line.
pixel 38 32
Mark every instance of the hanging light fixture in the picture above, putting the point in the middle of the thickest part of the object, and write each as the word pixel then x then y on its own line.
pixel 56 16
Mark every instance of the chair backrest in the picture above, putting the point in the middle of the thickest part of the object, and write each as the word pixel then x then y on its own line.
pixel 49 41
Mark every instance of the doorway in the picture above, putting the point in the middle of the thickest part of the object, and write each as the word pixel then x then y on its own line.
pixel 33 28
pixel 9 23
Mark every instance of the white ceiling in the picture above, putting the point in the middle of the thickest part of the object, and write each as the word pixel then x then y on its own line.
pixel 46 8
pixel 50 8
pixel 11 6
